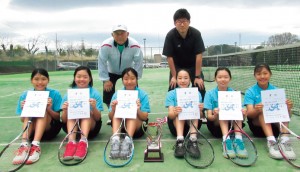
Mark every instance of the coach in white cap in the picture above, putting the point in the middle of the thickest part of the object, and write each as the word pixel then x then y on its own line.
pixel 116 54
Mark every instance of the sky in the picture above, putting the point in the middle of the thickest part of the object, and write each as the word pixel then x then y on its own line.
pixel 244 22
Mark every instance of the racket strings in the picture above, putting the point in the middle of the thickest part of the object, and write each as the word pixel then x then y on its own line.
pixel 290 149
pixel 206 152
pixel 245 150
pixel 119 150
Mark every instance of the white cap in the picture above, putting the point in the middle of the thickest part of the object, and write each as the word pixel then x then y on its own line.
pixel 119 27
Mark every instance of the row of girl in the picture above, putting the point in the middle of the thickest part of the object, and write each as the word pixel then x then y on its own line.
pixel 56 115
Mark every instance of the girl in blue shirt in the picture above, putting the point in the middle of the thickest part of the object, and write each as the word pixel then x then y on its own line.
pixel 219 128
pixel 133 126
pixel 89 126
pixel 180 128
pixel 257 125
pixel 46 127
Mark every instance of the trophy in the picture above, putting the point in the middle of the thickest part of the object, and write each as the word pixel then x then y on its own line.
pixel 153 130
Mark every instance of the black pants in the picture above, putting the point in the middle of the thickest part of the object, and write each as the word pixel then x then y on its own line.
pixel 192 73
pixel 259 132
pixel 108 95
pixel 186 129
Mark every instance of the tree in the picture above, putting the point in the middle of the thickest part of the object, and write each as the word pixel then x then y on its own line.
pixel 282 39
pixel 31 46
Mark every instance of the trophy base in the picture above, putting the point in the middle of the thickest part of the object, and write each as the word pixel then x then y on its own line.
pixel 153 156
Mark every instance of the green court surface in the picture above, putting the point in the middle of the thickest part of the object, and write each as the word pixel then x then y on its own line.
pixel 154 82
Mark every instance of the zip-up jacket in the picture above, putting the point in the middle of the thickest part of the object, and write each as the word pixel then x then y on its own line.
pixel 110 60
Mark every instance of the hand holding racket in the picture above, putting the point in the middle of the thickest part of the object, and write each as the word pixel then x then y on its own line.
pixel 15 154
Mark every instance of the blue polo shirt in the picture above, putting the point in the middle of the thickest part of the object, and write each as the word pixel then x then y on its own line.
pixel 171 99
pixel 142 95
pixel 94 94
pixel 53 94
pixel 253 94
pixel 211 98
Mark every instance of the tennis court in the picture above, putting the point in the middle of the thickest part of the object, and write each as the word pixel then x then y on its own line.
pixel 154 82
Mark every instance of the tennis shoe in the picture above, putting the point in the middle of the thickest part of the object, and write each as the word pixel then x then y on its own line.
pixel 239 146
pixel 288 150
pixel 81 150
pixel 193 149
pixel 273 150
pixel 21 154
pixel 115 149
pixel 34 155
pixel 125 148
pixel 179 149
pixel 70 151
pixel 229 152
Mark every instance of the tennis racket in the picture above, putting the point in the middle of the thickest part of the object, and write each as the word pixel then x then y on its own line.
pixel 72 159
pixel 241 152
pixel 290 150
pixel 114 155
pixel 207 154
pixel 13 156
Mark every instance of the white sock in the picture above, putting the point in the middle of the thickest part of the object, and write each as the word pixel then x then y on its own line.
pixel 24 144
pixel 127 138
pixel 238 136
pixel 116 138
pixel 224 138
pixel 284 139
pixel 271 138
pixel 193 138
pixel 35 143
pixel 180 138
pixel 84 139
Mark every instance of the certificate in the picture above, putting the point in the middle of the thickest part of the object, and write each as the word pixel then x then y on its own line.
pixel 188 100
pixel 126 107
pixel 275 108
pixel 230 105
pixel 79 104
pixel 35 104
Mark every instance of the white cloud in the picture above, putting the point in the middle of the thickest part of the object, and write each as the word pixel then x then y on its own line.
pixel 218 23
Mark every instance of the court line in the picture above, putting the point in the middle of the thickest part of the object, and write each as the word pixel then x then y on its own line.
pixel 134 140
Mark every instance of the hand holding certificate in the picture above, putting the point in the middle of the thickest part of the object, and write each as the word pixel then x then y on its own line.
pixel 230 106
pixel 188 100
pixel 35 104
pixel 275 108
pixel 126 107
pixel 79 105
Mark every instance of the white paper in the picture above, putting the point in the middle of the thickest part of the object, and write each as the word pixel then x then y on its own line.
pixel 126 107
pixel 35 104
pixel 188 100
pixel 79 105
pixel 274 106
pixel 230 105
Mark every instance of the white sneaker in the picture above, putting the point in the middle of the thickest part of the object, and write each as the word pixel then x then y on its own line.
pixel 273 150
pixel 21 154
pixel 34 155
pixel 115 149
pixel 125 148
pixel 288 150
